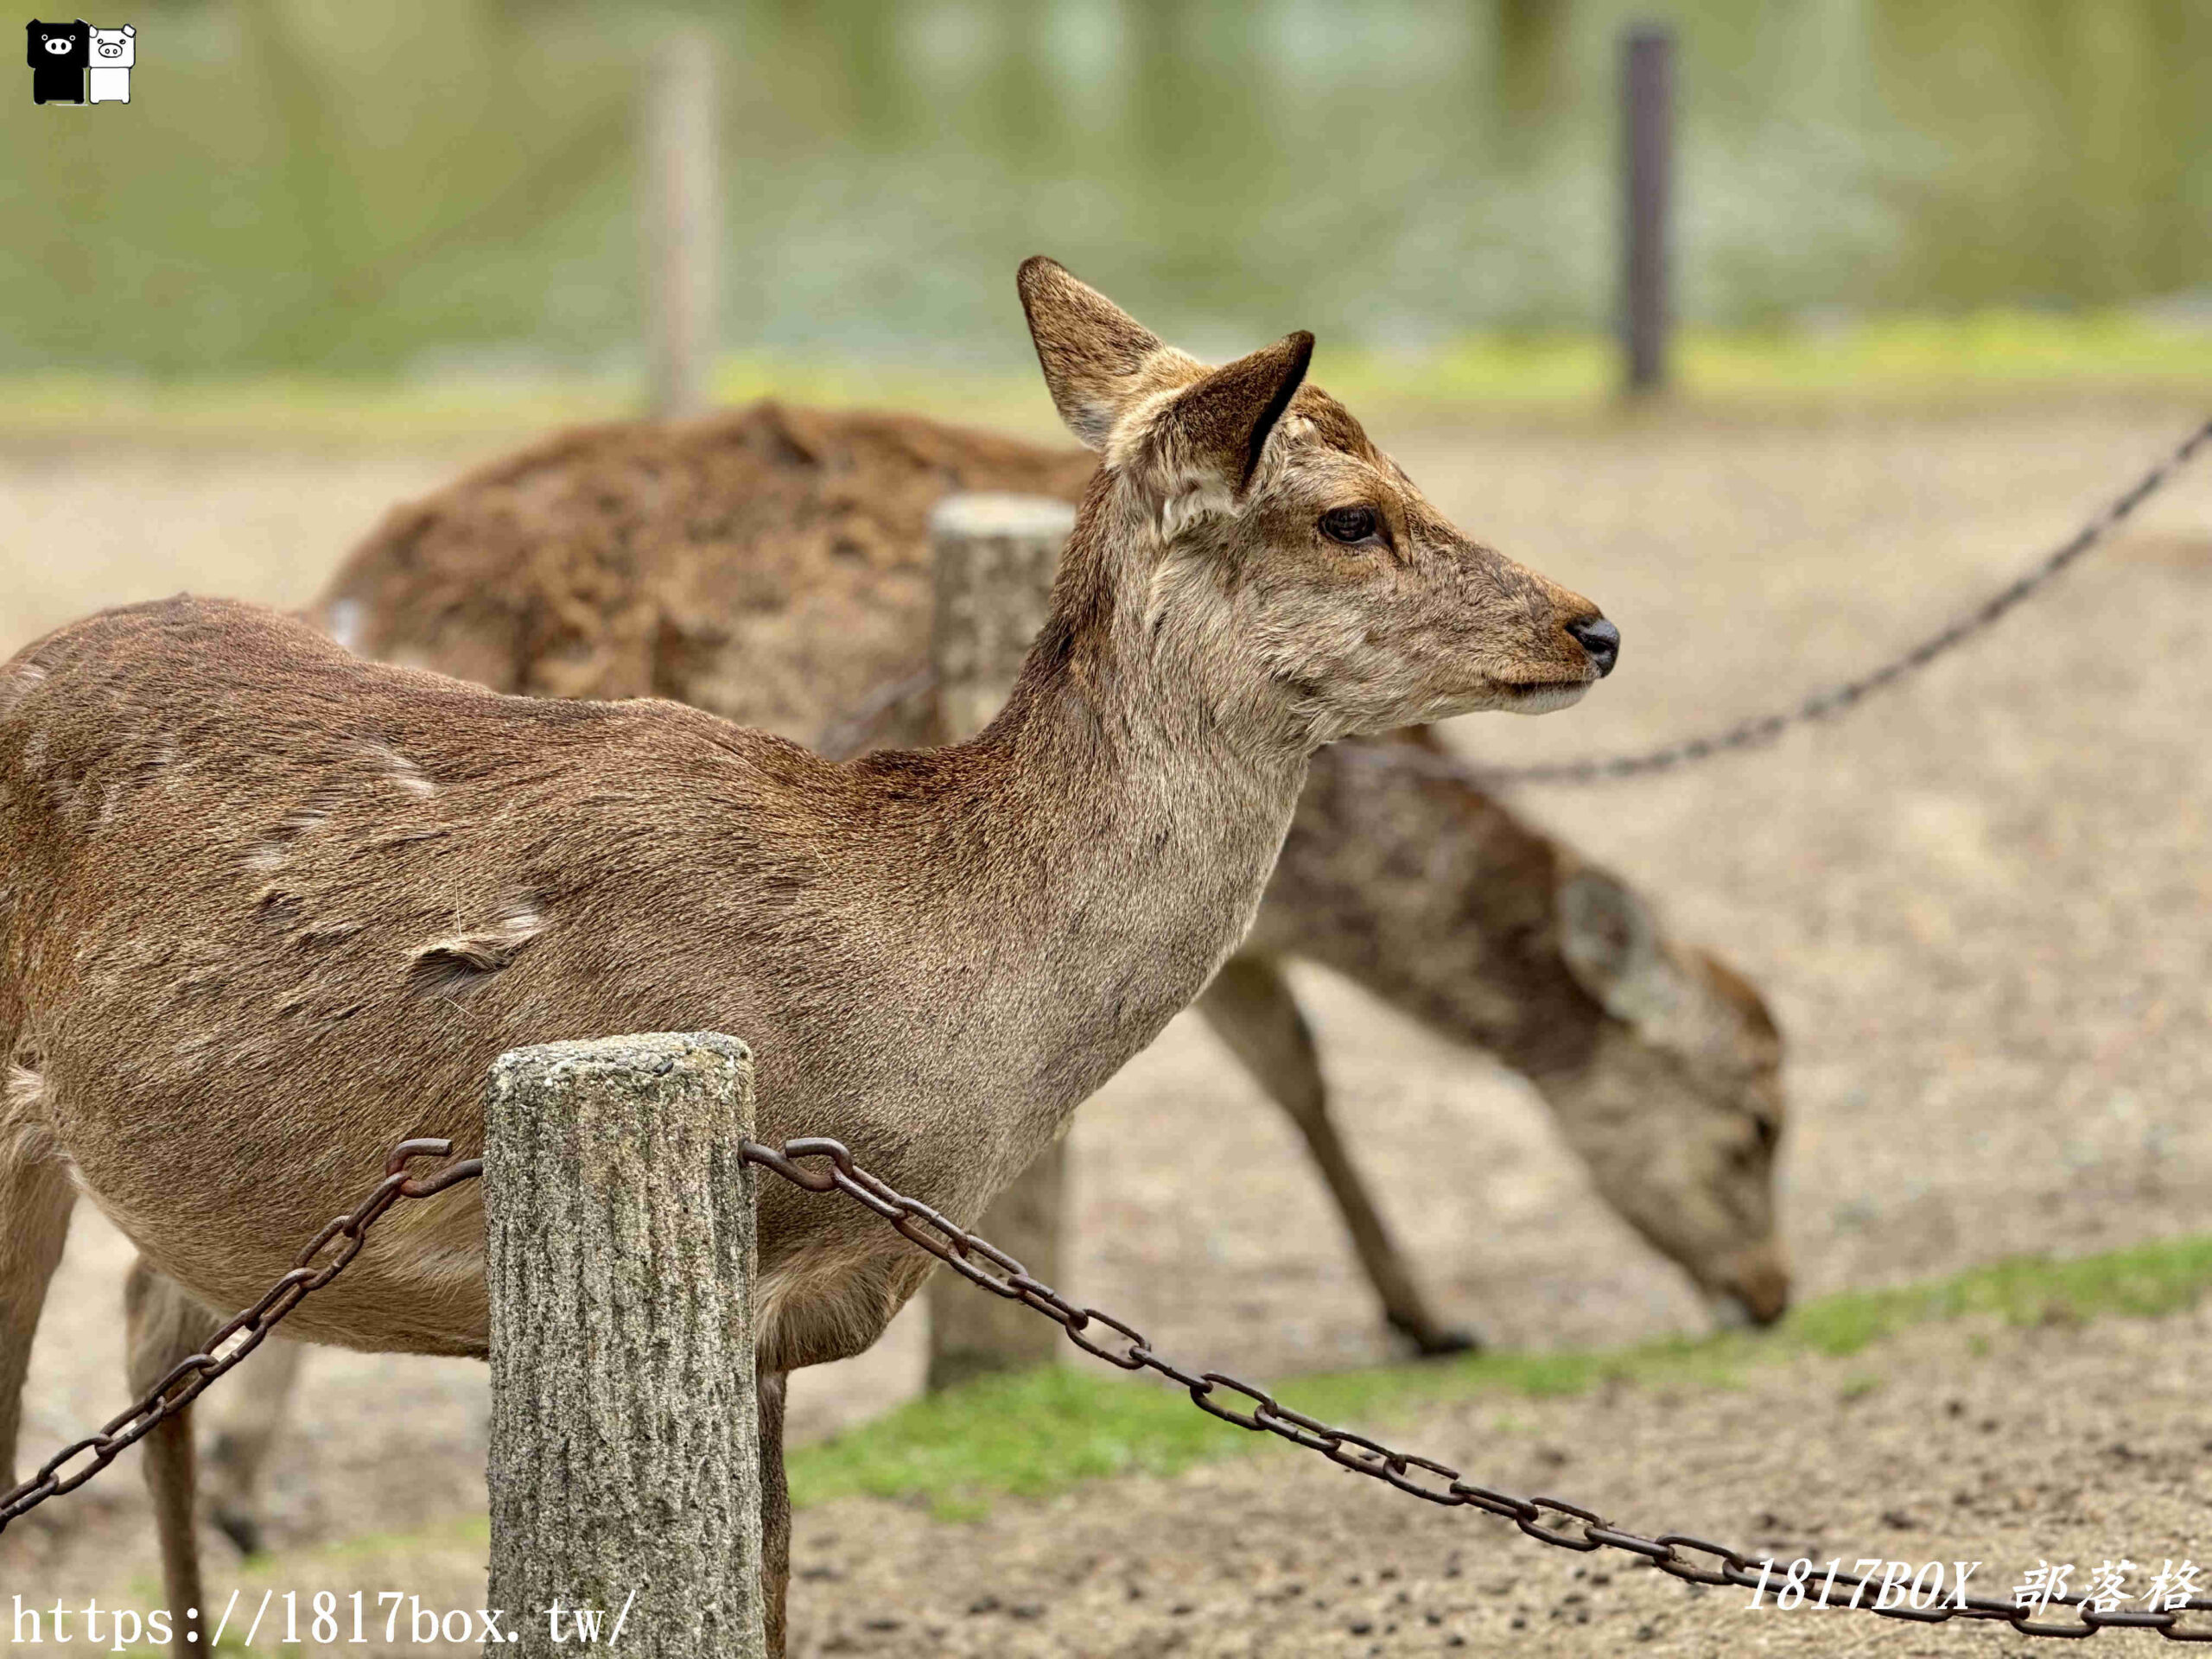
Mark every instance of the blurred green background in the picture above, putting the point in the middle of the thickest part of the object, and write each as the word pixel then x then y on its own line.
pixel 445 193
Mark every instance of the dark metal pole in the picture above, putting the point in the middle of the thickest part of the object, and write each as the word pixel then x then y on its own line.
pixel 1647 127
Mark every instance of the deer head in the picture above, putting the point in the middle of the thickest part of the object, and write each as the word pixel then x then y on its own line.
pixel 1680 1115
pixel 1242 525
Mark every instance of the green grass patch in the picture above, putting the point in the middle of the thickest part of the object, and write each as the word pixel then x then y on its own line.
pixel 1981 357
pixel 1913 360
pixel 2146 1280
pixel 1033 1435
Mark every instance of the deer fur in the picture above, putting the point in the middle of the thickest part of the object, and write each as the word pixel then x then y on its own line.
pixel 268 908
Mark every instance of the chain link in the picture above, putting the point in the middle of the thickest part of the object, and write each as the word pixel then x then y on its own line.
pixel 240 1335
pixel 1547 1520
pixel 842 737
pixel 1836 699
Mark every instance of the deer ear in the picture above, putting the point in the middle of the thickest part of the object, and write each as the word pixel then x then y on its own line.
pixel 1611 945
pixel 1094 354
pixel 1221 424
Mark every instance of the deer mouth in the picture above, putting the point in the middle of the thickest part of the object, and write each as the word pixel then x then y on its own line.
pixel 1542 696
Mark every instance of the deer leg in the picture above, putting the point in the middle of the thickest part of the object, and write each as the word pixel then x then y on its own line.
pixel 1250 1008
pixel 162 1326
pixel 775 1510
pixel 261 1391
pixel 36 1199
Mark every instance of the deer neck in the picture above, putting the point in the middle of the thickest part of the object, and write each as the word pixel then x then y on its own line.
pixel 1108 838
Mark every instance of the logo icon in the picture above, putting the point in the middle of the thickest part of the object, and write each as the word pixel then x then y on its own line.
pixel 114 50
pixel 77 63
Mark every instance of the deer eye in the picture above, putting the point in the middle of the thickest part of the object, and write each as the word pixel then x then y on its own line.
pixel 1348 524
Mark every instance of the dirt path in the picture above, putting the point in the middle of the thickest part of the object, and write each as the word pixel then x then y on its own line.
pixel 2009 1447
pixel 1981 906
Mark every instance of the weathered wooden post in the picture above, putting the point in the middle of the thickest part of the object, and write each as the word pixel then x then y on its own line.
pixel 624 1459
pixel 1648 135
pixel 682 223
pixel 994 556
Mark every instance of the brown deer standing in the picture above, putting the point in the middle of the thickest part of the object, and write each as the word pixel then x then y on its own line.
pixel 267 909
pixel 772 564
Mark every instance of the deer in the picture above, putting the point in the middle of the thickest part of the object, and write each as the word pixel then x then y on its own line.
pixel 771 564
pixel 268 908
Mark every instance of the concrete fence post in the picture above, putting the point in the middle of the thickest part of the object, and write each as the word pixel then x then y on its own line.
pixel 994 559
pixel 625 1464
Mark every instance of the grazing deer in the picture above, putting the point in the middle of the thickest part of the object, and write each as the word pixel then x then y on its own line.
pixel 267 908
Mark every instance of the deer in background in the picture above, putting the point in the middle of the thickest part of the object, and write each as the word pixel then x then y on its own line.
pixel 267 909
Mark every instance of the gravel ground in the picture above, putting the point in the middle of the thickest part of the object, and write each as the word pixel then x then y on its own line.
pixel 1928 1449
pixel 1980 906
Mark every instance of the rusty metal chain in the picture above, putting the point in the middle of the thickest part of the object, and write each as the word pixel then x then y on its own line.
pixel 1547 1520
pixel 240 1335
pixel 1835 699
pixel 842 737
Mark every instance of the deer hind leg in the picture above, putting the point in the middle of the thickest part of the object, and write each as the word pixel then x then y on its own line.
pixel 35 1200
pixel 1251 1009
pixel 162 1326
pixel 775 1510
pixel 261 1396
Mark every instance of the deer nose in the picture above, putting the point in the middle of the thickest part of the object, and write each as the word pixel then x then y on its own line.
pixel 1600 639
